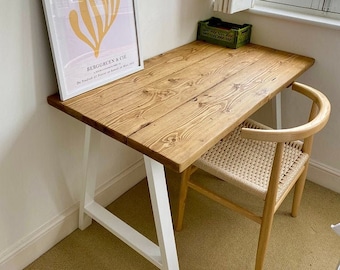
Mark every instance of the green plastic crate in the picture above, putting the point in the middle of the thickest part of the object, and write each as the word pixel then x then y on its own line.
pixel 223 33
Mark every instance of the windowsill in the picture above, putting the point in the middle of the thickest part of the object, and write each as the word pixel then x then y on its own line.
pixel 295 16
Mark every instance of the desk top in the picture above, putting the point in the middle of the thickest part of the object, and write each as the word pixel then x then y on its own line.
pixel 186 100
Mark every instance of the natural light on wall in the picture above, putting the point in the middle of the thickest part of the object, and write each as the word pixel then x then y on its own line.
pixel 232 6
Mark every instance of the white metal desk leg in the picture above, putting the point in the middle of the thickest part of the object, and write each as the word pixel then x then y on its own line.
pixel 90 162
pixel 278 110
pixel 162 215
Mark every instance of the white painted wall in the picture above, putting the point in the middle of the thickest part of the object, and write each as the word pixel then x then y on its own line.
pixel 41 148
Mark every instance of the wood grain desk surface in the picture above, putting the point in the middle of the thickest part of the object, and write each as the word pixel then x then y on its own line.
pixel 186 100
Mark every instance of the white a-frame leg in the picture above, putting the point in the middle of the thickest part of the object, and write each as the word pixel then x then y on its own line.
pixel 163 256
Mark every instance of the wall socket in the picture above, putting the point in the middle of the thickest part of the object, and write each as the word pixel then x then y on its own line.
pixel 336 228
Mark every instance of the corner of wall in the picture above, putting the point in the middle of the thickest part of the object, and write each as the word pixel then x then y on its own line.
pixel 33 246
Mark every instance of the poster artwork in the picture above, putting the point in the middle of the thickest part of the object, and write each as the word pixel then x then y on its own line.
pixel 93 41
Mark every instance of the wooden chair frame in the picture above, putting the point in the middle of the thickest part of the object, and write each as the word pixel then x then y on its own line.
pixel 319 115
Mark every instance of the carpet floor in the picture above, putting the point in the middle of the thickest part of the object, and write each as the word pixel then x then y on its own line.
pixel 213 237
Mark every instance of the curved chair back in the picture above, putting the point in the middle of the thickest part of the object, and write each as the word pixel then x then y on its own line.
pixel 319 116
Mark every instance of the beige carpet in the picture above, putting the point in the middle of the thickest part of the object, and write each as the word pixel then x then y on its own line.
pixel 213 237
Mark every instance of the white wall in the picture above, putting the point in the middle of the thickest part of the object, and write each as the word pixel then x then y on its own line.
pixel 40 147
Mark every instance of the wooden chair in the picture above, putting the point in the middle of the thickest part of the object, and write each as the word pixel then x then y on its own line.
pixel 264 162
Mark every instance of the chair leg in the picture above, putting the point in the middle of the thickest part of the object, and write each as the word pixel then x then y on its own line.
pixel 299 187
pixel 266 227
pixel 185 177
pixel 269 207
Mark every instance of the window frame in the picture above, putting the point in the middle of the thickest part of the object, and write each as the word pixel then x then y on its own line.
pixel 273 4
pixel 300 15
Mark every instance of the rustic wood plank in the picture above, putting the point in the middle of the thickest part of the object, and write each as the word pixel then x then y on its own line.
pixel 127 112
pixel 182 136
pixel 94 100
pixel 143 106
pixel 178 58
pixel 185 100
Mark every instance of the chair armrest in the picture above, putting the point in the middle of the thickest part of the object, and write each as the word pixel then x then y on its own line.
pixel 319 116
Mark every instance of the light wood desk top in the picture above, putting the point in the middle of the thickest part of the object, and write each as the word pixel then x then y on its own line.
pixel 186 100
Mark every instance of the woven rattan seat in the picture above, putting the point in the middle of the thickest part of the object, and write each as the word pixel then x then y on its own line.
pixel 248 163
pixel 261 161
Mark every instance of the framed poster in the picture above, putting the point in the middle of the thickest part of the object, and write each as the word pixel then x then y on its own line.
pixel 93 42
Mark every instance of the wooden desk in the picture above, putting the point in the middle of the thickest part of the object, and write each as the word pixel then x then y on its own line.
pixel 179 106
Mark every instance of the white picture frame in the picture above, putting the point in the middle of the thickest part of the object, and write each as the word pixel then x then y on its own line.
pixel 93 42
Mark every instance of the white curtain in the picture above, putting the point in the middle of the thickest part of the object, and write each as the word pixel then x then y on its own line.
pixel 221 5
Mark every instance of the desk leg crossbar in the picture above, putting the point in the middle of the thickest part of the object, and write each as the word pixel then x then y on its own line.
pixel 163 256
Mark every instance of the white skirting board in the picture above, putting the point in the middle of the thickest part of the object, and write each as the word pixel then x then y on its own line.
pixel 324 176
pixel 38 242
pixel 48 235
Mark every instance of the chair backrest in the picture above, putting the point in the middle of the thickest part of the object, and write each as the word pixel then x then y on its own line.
pixel 318 118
